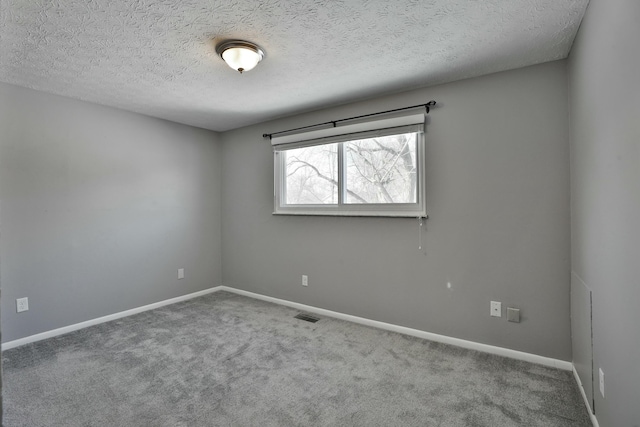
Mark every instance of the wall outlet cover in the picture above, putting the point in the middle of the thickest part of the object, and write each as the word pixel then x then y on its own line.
pixel 305 280
pixel 496 309
pixel 601 376
pixel 181 273
pixel 22 304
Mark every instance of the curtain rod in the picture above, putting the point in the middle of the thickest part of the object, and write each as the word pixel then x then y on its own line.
pixel 427 105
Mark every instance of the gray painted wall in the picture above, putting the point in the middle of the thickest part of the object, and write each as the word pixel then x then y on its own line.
pixel 100 207
pixel 498 198
pixel 605 170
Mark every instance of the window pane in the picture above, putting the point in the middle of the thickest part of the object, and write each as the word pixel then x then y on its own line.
pixel 381 170
pixel 312 175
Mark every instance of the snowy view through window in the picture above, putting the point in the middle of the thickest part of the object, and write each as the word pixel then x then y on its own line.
pixel 379 170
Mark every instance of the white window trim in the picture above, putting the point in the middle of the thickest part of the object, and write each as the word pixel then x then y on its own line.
pixel 412 210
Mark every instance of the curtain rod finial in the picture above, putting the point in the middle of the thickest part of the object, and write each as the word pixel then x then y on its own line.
pixel 429 104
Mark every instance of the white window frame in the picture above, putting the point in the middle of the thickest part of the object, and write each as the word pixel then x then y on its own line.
pixel 332 135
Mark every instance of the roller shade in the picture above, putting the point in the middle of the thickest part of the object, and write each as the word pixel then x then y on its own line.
pixel 379 125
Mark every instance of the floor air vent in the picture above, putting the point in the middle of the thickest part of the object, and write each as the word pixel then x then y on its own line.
pixel 306 317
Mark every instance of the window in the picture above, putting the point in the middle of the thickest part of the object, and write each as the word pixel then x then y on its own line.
pixel 373 172
pixel 311 175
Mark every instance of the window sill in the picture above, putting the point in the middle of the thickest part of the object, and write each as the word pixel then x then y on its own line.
pixel 390 214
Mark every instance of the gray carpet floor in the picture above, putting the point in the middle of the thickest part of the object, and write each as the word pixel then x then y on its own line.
pixel 228 360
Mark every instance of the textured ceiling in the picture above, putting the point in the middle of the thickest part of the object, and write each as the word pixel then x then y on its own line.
pixel 157 57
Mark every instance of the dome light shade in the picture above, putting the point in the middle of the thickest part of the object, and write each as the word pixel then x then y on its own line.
pixel 240 55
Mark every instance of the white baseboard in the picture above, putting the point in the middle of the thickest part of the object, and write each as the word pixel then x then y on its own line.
pixel 66 329
pixel 500 351
pixel 594 420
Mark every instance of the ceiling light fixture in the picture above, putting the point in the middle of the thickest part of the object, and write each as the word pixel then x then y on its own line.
pixel 239 54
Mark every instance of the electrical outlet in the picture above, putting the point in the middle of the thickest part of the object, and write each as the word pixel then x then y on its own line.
pixel 496 309
pixel 305 280
pixel 181 273
pixel 22 304
pixel 601 381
